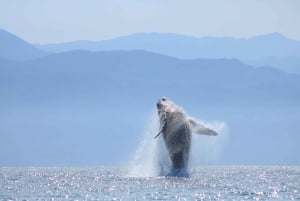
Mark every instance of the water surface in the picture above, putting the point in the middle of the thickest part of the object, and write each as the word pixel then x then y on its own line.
pixel 115 183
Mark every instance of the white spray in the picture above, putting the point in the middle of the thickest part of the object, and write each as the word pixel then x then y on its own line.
pixel 151 157
pixel 206 150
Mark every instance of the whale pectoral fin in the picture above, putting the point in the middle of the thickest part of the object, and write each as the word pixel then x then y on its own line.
pixel 161 130
pixel 200 129
pixel 157 134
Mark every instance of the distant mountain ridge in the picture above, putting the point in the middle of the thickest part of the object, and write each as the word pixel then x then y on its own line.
pixel 15 48
pixel 185 47
pixel 265 50
pixel 273 50
pixel 289 64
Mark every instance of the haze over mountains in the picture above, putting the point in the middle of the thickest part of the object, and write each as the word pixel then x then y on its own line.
pixel 266 50
pixel 273 49
pixel 84 107
pixel 186 47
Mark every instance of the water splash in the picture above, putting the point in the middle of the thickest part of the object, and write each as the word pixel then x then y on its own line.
pixel 151 158
pixel 206 150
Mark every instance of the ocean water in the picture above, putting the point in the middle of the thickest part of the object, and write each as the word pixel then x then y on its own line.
pixel 118 183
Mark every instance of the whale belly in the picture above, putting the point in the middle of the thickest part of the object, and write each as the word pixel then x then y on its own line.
pixel 178 144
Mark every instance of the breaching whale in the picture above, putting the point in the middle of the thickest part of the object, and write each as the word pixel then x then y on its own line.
pixel 176 129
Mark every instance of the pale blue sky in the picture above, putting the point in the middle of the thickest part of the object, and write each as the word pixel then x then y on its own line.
pixel 49 21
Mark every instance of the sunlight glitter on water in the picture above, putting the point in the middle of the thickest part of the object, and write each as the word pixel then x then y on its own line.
pixel 104 183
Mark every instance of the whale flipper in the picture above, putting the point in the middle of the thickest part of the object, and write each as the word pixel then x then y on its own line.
pixel 162 128
pixel 200 129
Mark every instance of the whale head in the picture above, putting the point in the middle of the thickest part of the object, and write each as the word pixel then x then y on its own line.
pixel 166 106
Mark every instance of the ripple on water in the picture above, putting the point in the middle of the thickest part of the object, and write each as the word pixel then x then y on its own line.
pixel 104 183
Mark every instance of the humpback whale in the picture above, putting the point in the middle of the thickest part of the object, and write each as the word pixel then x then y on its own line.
pixel 176 128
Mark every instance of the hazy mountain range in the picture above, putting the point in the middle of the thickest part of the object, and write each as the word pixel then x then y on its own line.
pixel 185 47
pixel 91 108
pixel 265 50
